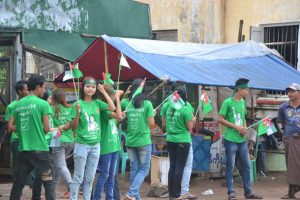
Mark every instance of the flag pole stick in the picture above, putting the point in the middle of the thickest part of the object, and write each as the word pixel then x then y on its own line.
pixel 154 90
pixel 197 111
pixel 164 100
pixel 105 57
pixel 118 83
pixel 74 82
pixel 256 123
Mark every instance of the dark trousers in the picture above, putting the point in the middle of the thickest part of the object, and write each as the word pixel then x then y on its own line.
pixel 178 153
pixel 27 160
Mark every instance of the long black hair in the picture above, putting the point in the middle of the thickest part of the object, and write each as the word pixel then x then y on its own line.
pixel 139 99
pixel 81 92
pixel 59 98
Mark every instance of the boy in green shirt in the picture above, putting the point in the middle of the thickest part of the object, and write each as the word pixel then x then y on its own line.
pixel 232 115
pixel 22 91
pixel 31 120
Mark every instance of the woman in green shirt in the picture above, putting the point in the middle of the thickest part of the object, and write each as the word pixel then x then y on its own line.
pixel 85 115
pixel 140 115
pixel 60 113
pixel 178 125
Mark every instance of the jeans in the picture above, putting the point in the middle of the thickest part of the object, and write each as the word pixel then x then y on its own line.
pixel 59 155
pixel 85 164
pixel 42 163
pixel 107 170
pixel 36 186
pixel 140 158
pixel 178 153
pixel 185 183
pixel 231 149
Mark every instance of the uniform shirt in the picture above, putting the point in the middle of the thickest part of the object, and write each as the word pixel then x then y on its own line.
pixel 291 118
pixel 138 131
pixel 28 114
pixel 89 125
pixel 234 111
pixel 8 114
pixel 62 119
pixel 176 124
pixel 110 140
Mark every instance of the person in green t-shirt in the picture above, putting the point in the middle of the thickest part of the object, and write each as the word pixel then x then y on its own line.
pixel 30 120
pixel 22 91
pixel 85 116
pixel 60 113
pixel 140 116
pixel 110 147
pixel 232 115
pixel 179 122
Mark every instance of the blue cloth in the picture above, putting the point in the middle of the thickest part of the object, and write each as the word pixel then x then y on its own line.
pixel 107 171
pixel 290 116
pixel 231 149
pixel 215 65
pixel 140 158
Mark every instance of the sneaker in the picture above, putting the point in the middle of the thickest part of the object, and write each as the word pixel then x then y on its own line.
pixel 189 196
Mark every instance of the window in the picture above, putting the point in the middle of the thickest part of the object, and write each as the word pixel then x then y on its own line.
pixel 285 40
pixel 165 35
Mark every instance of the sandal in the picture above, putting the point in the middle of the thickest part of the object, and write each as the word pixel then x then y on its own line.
pixel 288 197
pixel 127 197
pixel 253 196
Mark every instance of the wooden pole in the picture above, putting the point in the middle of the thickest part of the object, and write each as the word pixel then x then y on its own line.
pixel 105 57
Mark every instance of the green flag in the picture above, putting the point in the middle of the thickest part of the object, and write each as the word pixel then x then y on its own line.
pixel 266 126
pixel 205 103
pixel 107 79
pixel 139 89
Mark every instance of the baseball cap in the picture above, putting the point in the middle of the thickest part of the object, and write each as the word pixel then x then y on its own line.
pixel 294 86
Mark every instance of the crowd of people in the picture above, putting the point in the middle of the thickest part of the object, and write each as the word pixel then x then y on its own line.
pixel 89 129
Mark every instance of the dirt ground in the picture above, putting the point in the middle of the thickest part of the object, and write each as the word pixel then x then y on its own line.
pixel 271 187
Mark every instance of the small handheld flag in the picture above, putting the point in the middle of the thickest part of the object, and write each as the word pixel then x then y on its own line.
pixel 205 103
pixel 176 101
pixel 139 89
pixel 107 79
pixel 74 72
pixel 123 62
pixel 266 126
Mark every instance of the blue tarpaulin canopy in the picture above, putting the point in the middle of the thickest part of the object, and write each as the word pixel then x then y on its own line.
pixel 204 64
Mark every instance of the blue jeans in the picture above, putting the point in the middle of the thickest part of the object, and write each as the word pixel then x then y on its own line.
pixel 140 158
pixel 107 171
pixel 185 182
pixel 231 149
pixel 85 164
pixel 59 155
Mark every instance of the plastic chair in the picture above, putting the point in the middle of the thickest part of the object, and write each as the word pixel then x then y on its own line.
pixel 123 155
pixel 253 175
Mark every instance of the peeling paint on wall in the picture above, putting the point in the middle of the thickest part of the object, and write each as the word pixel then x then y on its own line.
pixel 66 15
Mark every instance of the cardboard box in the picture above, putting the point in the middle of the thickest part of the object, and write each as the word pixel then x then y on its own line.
pixel 159 170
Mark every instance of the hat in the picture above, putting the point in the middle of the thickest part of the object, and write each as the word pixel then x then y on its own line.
pixel 294 86
pixel 241 83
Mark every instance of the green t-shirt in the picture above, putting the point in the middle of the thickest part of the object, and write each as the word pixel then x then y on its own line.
pixel 28 114
pixel 8 114
pixel 110 140
pixel 89 125
pixel 62 119
pixel 48 136
pixel 176 124
pixel 138 131
pixel 234 111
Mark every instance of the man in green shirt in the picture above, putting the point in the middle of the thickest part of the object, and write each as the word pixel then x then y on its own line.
pixel 30 119
pixel 22 91
pixel 232 115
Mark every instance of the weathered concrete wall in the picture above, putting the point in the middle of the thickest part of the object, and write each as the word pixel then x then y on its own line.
pixel 195 20
pixel 255 12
